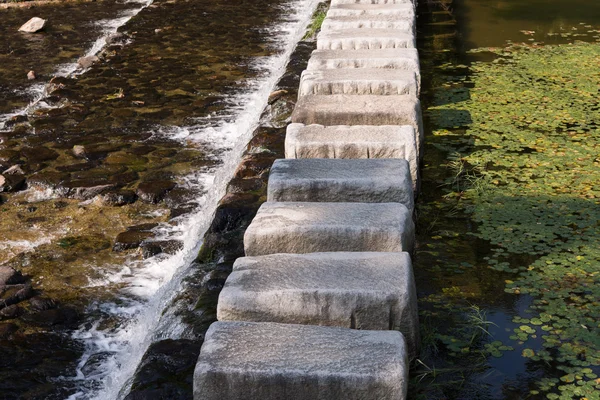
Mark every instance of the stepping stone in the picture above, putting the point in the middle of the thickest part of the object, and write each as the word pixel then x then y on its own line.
pixel 362 141
pixel 401 10
pixel 296 227
pixel 337 180
pixel 358 81
pixel 269 361
pixel 369 22
pixel 359 39
pixel 373 291
pixel 345 109
pixel 400 59
pixel 372 2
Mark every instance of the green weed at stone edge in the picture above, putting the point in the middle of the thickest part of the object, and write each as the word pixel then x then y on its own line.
pixel 534 194
pixel 317 21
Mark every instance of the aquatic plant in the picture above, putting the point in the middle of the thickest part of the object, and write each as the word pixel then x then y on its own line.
pixel 528 173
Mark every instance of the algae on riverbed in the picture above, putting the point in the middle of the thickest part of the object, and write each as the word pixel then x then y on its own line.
pixel 527 167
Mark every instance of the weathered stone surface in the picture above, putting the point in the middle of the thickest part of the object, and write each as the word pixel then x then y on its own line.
pixel 400 10
pixel 13 294
pixel 368 22
pixel 343 109
pixel 35 24
pixel 364 39
pixel 12 182
pixel 317 227
pixel 351 290
pixel 366 2
pixel 388 141
pixel 133 237
pixel 154 191
pixel 87 62
pixel 339 180
pixel 268 361
pixel 359 81
pixel 118 198
pixel 403 59
pixel 31 75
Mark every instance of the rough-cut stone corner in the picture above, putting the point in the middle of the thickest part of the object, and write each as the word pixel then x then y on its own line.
pixel 359 81
pixel 359 110
pixel 364 39
pixel 402 59
pixel 351 290
pixel 341 180
pixel 317 227
pixel 318 141
pixel 269 361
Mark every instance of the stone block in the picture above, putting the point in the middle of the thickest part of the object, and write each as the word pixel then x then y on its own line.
pixel 306 227
pixel 369 291
pixel 339 180
pixel 269 361
pixel 401 10
pixel 358 81
pixel 361 39
pixel 344 109
pixel 318 141
pixel 369 22
pixel 401 59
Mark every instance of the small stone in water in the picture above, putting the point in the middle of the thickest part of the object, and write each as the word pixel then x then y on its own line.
pixel 79 151
pixel 14 170
pixel 86 62
pixel 35 24
pixel 31 75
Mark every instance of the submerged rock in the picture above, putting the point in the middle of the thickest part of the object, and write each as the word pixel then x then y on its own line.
pixel 13 294
pixel 31 75
pixel 154 191
pixel 86 62
pixel 7 329
pixel 150 249
pixel 133 237
pixel 34 25
pixel 10 276
pixel 118 198
pixel 12 183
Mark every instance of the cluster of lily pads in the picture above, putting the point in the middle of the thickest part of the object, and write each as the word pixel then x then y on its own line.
pixel 524 143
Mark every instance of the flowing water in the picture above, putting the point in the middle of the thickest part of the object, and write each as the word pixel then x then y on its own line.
pixel 173 102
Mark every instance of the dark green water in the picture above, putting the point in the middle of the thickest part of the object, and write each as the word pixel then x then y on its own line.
pixel 463 303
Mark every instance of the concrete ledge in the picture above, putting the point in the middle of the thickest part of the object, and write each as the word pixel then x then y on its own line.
pixel 268 361
pixel 343 109
pixel 400 59
pixel 318 141
pixel 351 290
pixel 358 81
pixel 369 22
pixel 337 180
pixel 402 10
pixel 293 227
pixel 359 39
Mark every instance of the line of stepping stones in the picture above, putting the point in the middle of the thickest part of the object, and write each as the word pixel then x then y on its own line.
pixel 323 306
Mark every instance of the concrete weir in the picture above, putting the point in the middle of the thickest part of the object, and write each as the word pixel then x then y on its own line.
pixel 324 305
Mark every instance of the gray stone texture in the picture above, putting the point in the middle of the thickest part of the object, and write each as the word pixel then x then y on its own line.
pixel 358 81
pixel 338 180
pixel 365 39
pixel 344 109
pixel 369 22
pixel 268 361
pixel 401 10
pixel 318 141
pixel 402 59
pixel 34 25
pixel 298 227
pixel 351 290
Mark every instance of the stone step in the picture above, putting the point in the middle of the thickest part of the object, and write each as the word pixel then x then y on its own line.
pixel 361 39
pixel 297 227
pixel 338 180
pixel 269 361
pixel 372 2
pixel 362 141
pixel 346 109
pixel 373 291
pixel 401 10
pixel 359 81
pixel 369 22
pixel 400 59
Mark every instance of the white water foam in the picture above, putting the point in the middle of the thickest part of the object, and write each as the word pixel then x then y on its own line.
pixel 150 285
pixel 37 92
